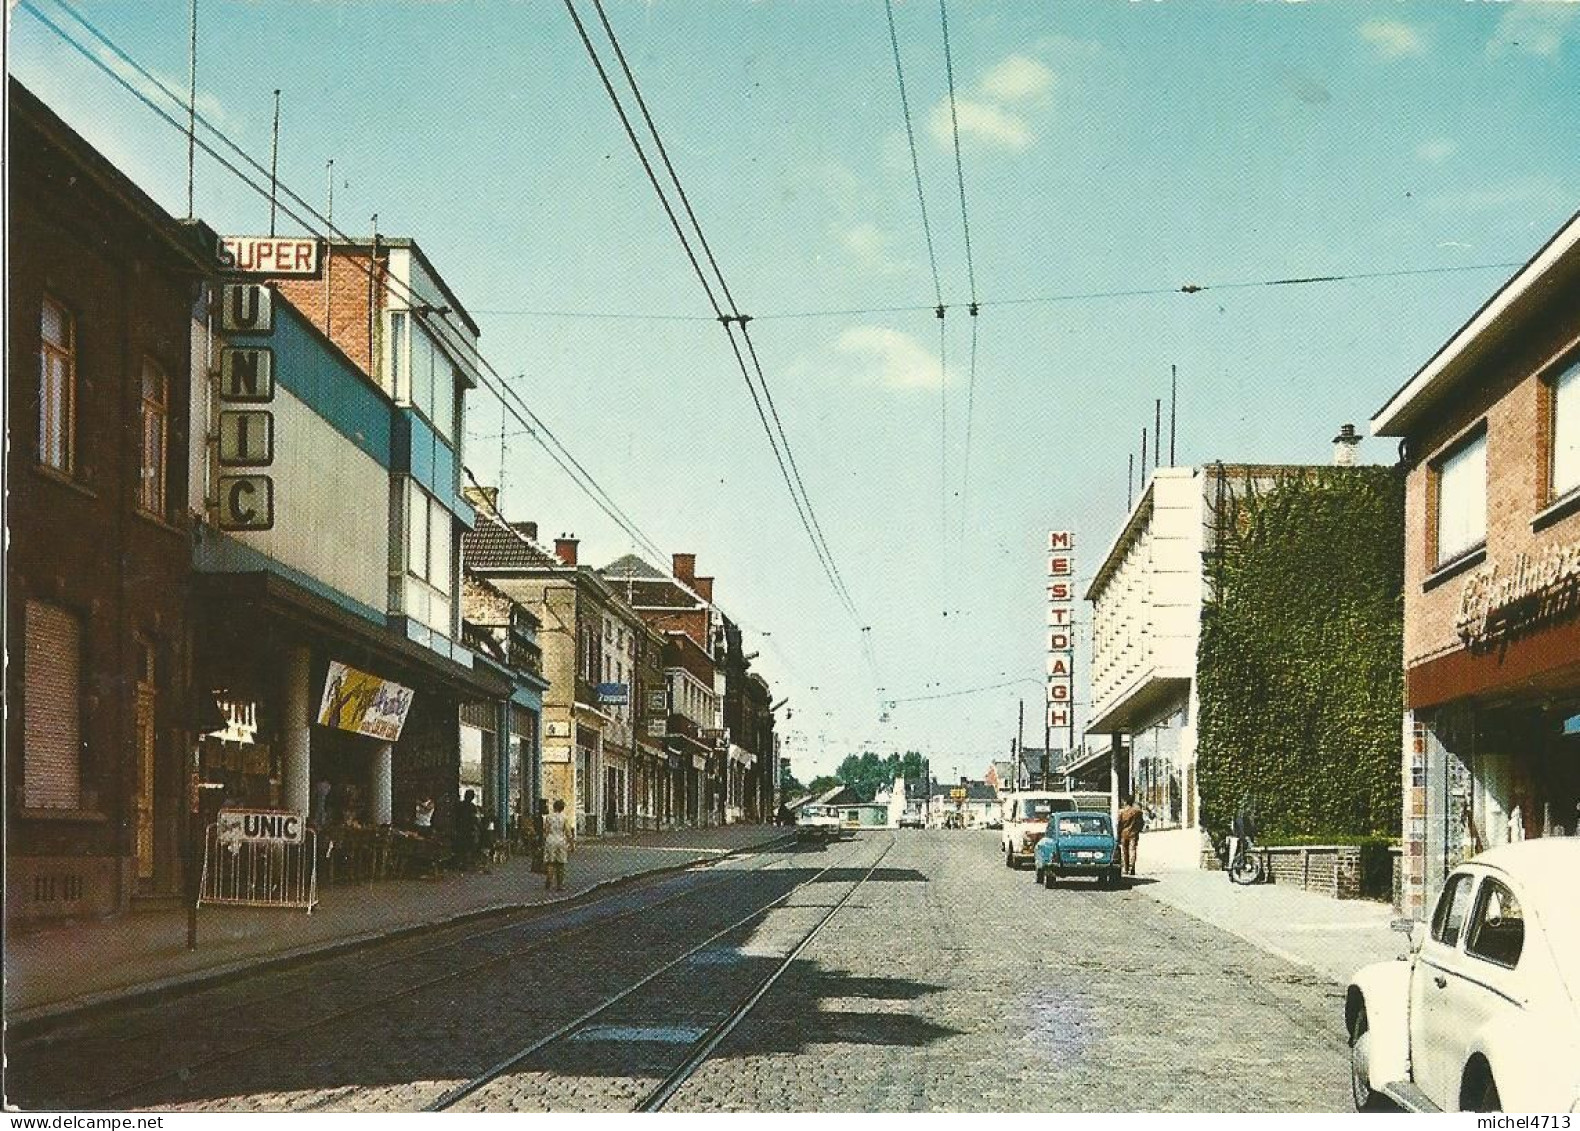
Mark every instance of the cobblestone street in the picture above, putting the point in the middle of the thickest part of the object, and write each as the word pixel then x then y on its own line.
pixel 943 982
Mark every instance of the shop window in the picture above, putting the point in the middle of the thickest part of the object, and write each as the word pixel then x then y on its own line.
pixel 1566 432
pixel 51 708
pixel 1497 930
pixel 57 381
pixel 1461 507
pixel 156 438
pixel 1449 918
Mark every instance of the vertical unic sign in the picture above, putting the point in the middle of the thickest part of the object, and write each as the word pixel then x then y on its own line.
pixel 1061 631
pixel 246 431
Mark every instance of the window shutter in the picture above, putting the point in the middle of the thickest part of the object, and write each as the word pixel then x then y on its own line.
pixel 52 750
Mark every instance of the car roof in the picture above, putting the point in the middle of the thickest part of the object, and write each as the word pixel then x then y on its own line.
pixel 1545 868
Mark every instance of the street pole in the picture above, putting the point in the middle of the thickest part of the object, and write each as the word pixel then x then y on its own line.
pixel 1020 740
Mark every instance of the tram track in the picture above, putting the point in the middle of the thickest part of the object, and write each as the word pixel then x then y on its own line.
pixel 549 934
pixel 710 1038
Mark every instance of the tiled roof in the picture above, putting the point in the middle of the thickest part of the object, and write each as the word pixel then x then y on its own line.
pixel 493 545
pixel 631 566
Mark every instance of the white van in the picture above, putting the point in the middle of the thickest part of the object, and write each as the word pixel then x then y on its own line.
pixel 1026 816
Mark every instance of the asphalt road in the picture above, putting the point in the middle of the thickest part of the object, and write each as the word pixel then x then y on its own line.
pixel 939 980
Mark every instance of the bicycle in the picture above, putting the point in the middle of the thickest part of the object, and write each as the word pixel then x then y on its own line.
pixel 1241 861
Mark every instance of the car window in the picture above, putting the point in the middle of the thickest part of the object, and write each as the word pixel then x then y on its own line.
pixel 1497 930
pixel 1449 918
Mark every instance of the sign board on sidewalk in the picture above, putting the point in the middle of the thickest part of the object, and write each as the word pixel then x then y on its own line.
pixel 280 826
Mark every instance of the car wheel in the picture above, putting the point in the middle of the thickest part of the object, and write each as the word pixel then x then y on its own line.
pixel 1488 1098
pixel 1049 879
pixel 1009 857
pixel 1039 875
pixel 1360 1065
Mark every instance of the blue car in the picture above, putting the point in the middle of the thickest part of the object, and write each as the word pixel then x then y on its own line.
pixel 1078 844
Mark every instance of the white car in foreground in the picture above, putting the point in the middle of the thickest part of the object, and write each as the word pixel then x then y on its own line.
pixel 1483 1014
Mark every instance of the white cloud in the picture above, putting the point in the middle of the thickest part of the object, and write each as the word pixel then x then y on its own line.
pixel 986 121
pixel 1437 150
pixel 869 245
pixel 1519 193
pixel 1533 29
pixel 890 357
pixel 1393 39
pixel 208 106
pixel 1017 79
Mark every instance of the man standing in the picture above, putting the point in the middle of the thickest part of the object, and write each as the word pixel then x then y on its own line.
pixel 1131 818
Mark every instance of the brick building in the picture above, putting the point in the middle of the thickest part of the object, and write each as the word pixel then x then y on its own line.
pixel 104 289
pixel 1490 435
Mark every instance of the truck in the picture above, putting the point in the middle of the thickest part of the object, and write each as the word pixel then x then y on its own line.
pixel 818 823
pixel 1026 816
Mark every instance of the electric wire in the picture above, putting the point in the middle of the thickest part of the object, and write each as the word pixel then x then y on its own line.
pixel 916 167
pixel 523 413
pixel 801 502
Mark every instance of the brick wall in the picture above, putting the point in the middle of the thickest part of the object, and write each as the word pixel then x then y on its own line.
pixel 340 302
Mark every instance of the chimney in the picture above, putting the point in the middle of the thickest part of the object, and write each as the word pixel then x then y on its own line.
pixel 685 567
pixel 704 585
pixel 483 498
pixel 565 548
pixel 1344 445
pixel 528 530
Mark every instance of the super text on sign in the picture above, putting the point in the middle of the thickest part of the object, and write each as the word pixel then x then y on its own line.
pixel 269 255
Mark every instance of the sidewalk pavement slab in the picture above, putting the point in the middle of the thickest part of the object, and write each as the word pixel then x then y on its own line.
pixel 56 969
pixel 1334 937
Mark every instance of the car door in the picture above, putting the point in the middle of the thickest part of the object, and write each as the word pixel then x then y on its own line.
pixel 1487 985
pixel 1431 1007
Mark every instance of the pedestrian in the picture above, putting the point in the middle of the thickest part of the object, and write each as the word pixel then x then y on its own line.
pixel 1132 818
pixel 422 816
pixel 559 837
pixel 466 831
pixel 321 791
pixel 538 820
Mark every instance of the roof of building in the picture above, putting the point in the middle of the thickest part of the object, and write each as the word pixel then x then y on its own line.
pixel 406 243
pixel 192 242
pixel 633 567
pixel 495 544
pixel 1549 275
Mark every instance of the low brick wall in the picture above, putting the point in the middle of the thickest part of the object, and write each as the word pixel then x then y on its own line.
pixel 1330 870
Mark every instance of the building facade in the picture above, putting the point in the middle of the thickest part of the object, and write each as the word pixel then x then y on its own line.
pixel 103 290
pixel 1490 435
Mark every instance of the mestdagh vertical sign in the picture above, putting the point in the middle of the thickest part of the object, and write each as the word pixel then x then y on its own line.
pixel 1061 632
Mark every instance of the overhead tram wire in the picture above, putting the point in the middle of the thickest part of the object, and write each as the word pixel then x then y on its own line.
pixel 739 319
pixel 932 262
pixel 525 416
pixel 971 277
pixel 784 458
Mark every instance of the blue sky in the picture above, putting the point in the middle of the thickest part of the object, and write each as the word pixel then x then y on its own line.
pixel 1106 147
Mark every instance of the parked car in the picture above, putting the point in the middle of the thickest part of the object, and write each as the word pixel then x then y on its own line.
pixel 912 821
pixel 817 822
pixel 1078 844
pixel 1024 819
pixel 1483 1014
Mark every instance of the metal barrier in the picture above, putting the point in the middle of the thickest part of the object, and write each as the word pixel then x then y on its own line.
pixel 256 873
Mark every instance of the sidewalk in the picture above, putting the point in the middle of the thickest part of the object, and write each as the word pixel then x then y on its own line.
pixel 56 968
pixel 1334 937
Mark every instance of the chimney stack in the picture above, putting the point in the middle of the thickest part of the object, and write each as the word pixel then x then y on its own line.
pixel 565 548
pixel 1344 445
pixel 685 567
pixel 528 530
pixel 704 586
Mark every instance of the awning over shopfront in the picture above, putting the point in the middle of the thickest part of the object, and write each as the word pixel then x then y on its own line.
pixel 233 598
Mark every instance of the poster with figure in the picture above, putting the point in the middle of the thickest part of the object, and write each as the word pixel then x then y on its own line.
pixel 363 704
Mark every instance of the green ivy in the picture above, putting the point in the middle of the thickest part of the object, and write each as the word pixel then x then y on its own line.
pixel 1299 670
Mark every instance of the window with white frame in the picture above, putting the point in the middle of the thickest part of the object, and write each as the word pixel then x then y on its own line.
pixel 1462 498
pixel 51 708
pixel 1566 431
pixel 57 387
pixel 422 374
pixel 430 548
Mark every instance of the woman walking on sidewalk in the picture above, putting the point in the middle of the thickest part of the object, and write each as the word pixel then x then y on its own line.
pixel 559 836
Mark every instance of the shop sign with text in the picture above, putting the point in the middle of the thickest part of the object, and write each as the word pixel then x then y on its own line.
pixel 1060 704
pixel 1536 588
pixel 363 704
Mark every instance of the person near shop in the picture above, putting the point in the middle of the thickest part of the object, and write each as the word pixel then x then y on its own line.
pixel 1132 819
pixel 422 818
pixel 559 837
pixel 321 791
pixel 466 832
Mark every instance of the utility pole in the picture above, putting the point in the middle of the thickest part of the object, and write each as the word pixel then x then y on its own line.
pixel 1020 739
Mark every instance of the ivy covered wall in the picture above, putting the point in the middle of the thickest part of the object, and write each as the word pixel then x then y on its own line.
pixel 1300 663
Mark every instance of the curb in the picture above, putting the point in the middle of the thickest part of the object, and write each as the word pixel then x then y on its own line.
pixel 42 1018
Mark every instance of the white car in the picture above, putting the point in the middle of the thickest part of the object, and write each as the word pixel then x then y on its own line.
pixel 817 822
pixel 1483 1014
